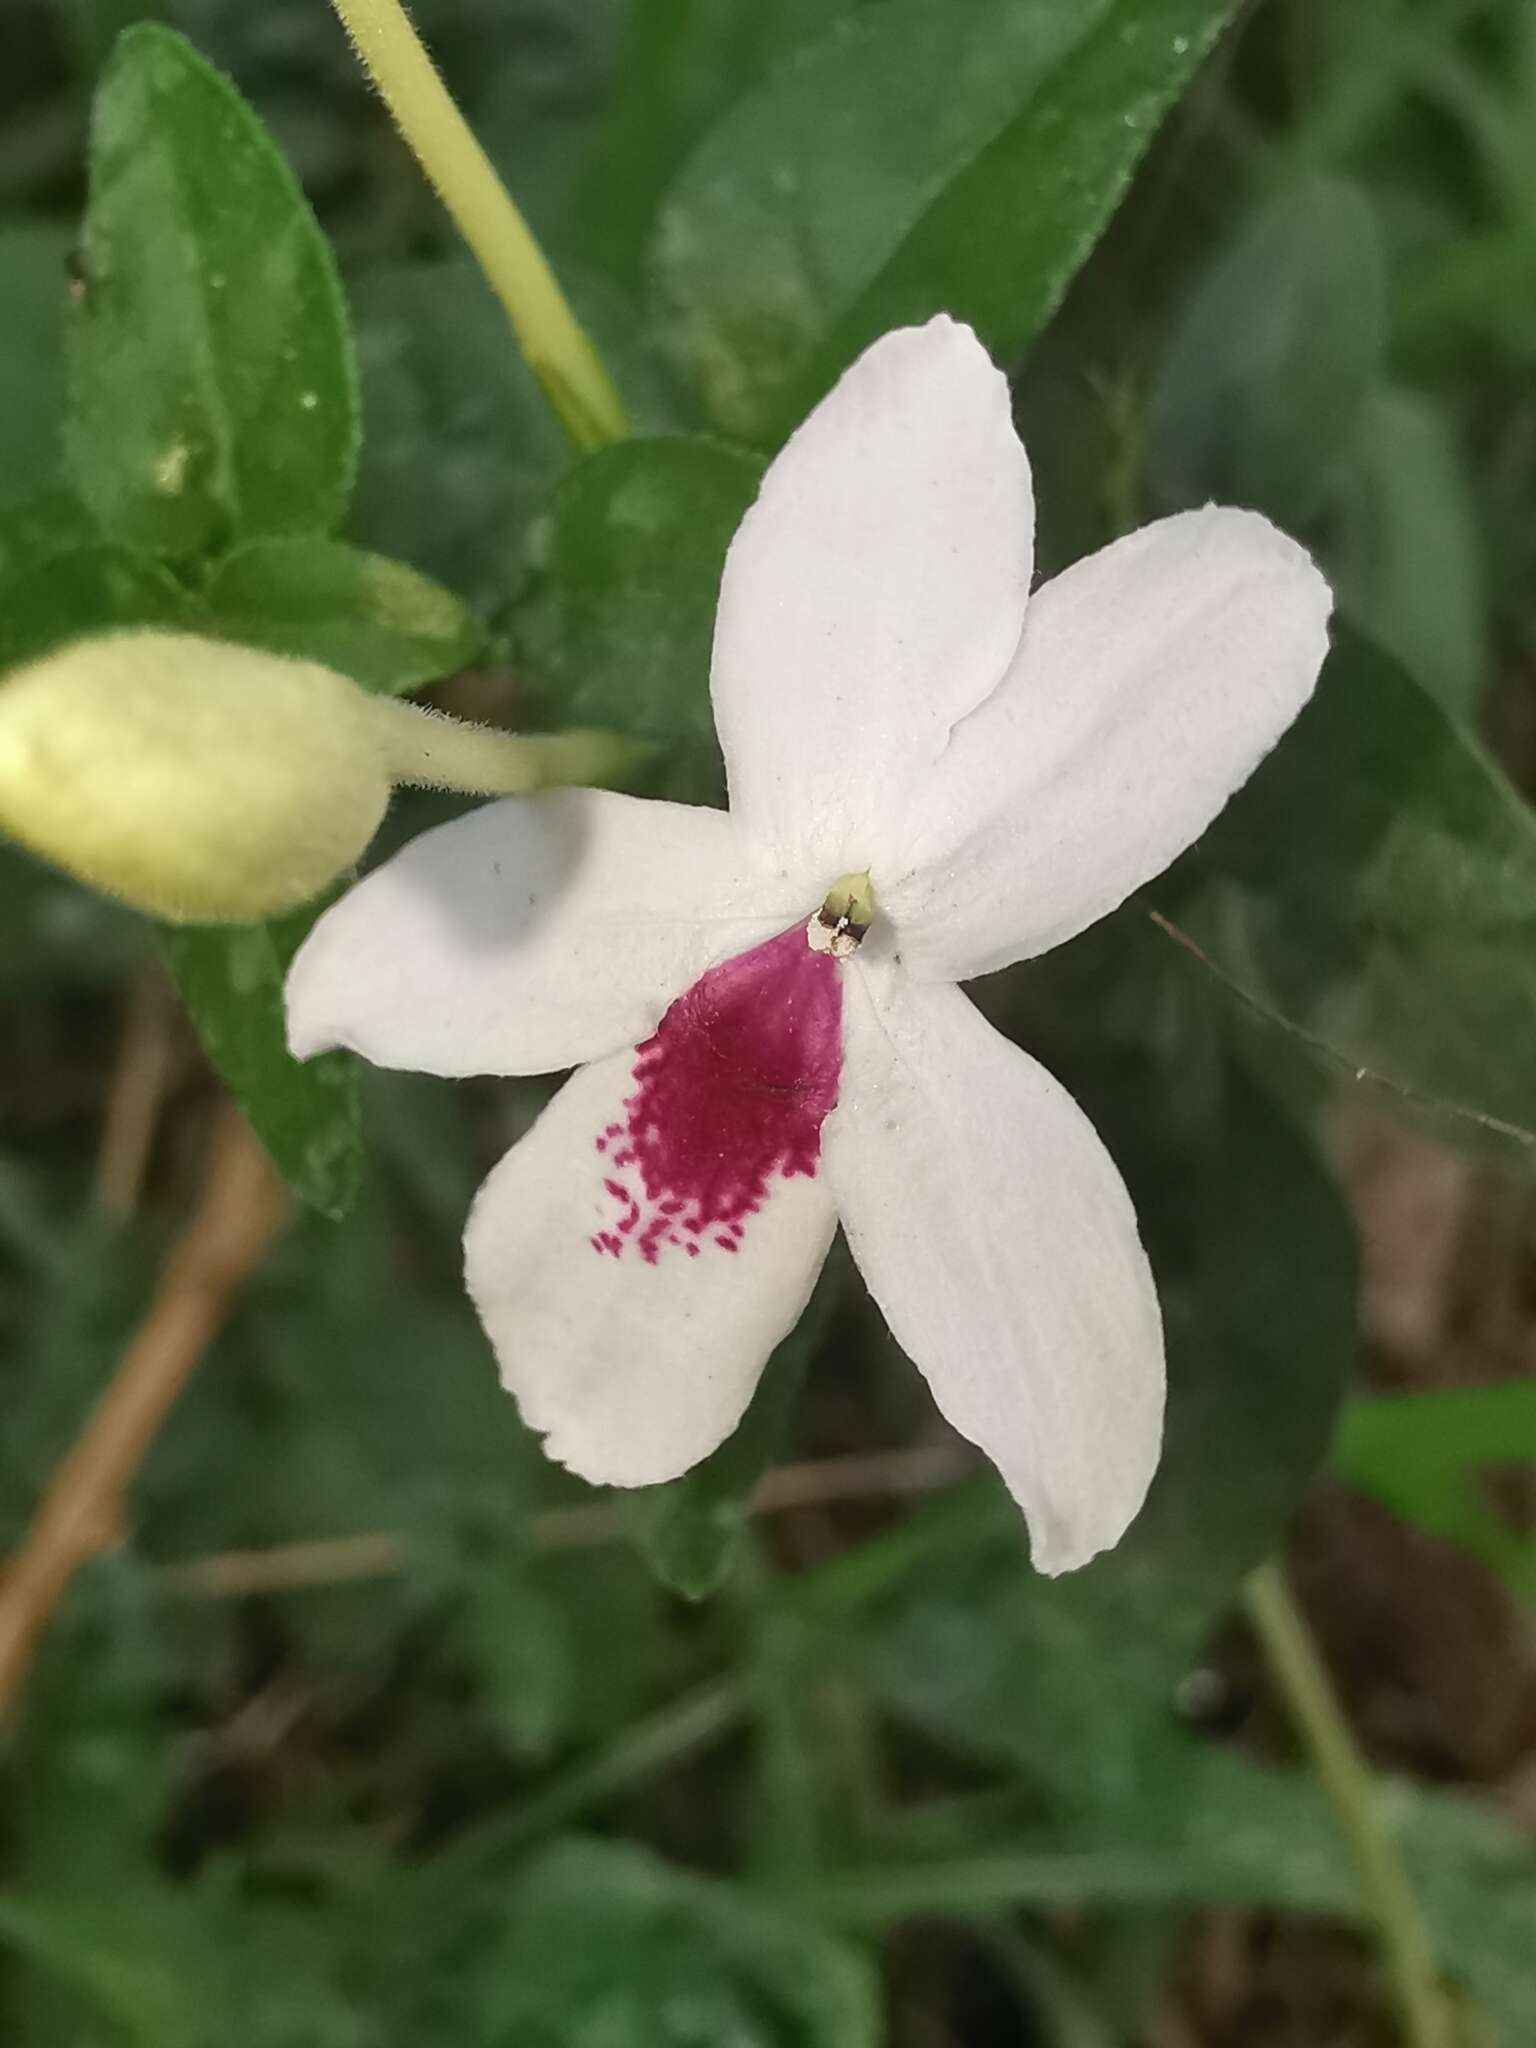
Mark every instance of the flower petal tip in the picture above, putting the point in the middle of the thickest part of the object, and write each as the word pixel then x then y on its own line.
pixel 942 346
pixel 1059 1546
pixel 309 1030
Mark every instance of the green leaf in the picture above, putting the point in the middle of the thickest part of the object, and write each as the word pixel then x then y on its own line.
pixel 921 157
pixel 34 288
pixel 212 389
pixel 1411 559
pixel 616 615
pixel 1263 391
pixel 44 523
pixel 689 1529
pixel 93 589
pixel 604 1946
pixel 385 625
pixel 306 1114
pixel 1424 1456
pixel 1373 888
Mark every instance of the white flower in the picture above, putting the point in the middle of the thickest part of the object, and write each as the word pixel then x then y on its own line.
pixel 886 706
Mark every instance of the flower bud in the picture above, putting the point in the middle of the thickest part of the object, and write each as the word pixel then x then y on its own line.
pixel 190 777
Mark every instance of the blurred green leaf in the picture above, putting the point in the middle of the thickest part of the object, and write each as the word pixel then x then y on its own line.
pixel 459 445
pixel 1411 557
pixel 383 624
pixel 921 157
pixel 1373 887
pixel 93 589
pixel 690 1528
pixel 95 1772
pixel 1204 1826
pixel 616 615
pixel 306 1113
pixel 603 1945
pixel 87 1289
pixel 543 84
pixel 92 1781
pixel 1425 1457
pixel 1264 386
pixel 132 1969
pixel 519 1640
pixel 537 1628
pixel 59 935
pixel 426 1149
pixel 399 1402
pixel 212 389
pixel 680 65
pixel 34 287
pixel 27 1237
pixel 42 524
pixel 146 1962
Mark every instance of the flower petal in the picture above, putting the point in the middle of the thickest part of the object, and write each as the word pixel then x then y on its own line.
pixel 1151 681
pixel 531 934
pixel 999 1241
pixel 872 596
pixel 631 1340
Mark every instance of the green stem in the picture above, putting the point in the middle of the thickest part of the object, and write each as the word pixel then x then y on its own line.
pixel 1347 1784
pixel 436 752
pixel 556 348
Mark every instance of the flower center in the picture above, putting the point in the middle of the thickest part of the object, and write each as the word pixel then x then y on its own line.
pixel 730 1094
pixel 844 918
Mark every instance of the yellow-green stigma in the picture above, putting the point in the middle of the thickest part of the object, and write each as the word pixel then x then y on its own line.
pixel 846 914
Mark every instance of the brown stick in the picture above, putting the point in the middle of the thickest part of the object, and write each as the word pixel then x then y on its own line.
pixel 237 1218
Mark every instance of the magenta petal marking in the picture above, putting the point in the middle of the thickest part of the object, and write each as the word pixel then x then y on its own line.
pixel 730 1095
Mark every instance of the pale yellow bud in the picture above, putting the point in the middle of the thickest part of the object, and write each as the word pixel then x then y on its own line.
pixel 192 778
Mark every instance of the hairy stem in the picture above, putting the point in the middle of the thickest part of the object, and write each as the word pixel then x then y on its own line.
pixel 437 752
pixel 554 345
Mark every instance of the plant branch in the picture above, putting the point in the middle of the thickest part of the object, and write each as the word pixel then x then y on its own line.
pixel 554 345
pixel 1348 1786
pixel 239 1214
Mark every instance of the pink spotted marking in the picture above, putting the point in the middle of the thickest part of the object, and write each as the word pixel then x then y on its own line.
pixel 730 1094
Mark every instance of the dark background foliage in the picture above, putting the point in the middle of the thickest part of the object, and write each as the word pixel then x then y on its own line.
pixel 375 1729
